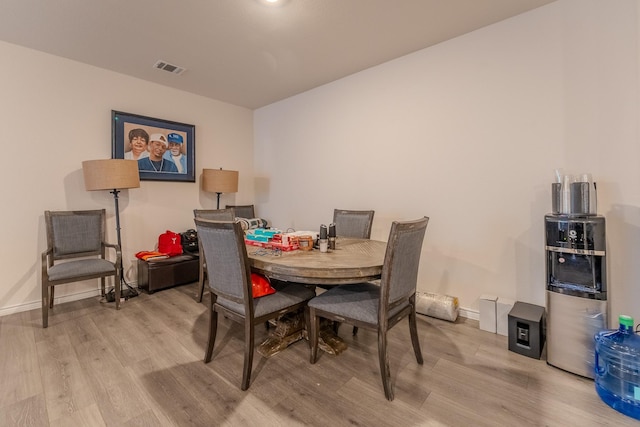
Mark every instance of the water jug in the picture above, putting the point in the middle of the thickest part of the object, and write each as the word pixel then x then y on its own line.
pixel 617 368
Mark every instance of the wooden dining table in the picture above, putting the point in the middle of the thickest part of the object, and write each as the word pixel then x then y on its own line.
pixel 352 261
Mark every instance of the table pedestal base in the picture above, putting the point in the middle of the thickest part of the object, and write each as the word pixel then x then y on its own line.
pixel 290 328
pixel 329 341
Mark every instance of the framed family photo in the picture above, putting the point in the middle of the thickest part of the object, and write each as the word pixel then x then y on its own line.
pixel 165 150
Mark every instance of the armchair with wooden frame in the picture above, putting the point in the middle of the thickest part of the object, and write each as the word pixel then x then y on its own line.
pixel 77 250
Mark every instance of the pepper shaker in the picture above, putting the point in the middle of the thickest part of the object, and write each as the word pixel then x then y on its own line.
pixel 332 236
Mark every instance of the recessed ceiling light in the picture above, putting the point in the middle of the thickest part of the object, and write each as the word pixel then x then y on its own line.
pixel 272 2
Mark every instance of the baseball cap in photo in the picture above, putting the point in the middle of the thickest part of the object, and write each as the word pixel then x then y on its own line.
pixel 174 137
pixel 159 137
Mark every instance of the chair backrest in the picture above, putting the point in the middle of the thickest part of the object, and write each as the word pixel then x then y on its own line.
pixel 353 223
pixel 228 265
pixel 73 234
pixel 243 211
pixel 215 214
pixel 401 262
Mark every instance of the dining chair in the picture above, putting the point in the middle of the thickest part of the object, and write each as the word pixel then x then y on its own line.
pixel 374 307
pixel 243 211
pixel 230 288
pixel 215 215
pixel 76 250
pixel 350 223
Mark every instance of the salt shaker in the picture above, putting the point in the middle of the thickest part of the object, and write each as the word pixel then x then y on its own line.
pixel 323 242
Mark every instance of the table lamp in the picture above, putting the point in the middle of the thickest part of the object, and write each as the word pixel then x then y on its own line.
pixel 219 181
pixel 114 175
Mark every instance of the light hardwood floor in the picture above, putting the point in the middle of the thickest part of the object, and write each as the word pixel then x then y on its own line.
pixel 142 366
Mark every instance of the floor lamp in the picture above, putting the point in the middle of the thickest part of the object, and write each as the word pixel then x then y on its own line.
pixel 219 181
pixel 114 175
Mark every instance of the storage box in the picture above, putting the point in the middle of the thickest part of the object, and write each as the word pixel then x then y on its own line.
pixel 526 329
pixel 157 274
pixel 503 307
pixel 488 313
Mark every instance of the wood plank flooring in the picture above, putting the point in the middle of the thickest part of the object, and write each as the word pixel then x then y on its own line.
pixel 142 366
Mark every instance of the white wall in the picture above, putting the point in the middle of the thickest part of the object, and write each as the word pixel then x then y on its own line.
pixel 469 133
pixel 54 114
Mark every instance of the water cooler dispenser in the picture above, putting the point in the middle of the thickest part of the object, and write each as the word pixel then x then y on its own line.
pixel 576 279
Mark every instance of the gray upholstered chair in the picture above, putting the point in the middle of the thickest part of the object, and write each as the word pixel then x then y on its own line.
pixel 350 223
pixel 214 215
pixel 76 250
pixel 230 288
pixel 374 307
pixel 243 211
pixel 353 223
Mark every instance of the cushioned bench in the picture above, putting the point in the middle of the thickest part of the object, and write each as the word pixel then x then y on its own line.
pixel 157 274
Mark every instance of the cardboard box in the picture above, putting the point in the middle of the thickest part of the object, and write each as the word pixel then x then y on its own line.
pixel 488 313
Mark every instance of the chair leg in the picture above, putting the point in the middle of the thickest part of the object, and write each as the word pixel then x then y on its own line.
pixel 355 330
pixel 51 294
pixel 249 331
pixel 213 329
pixel 314 326
pixel 307 325
pixel 45 305
pixel 413 330
pixel 336 326
pixel 201 282
pixel 103 286
pixel 384 364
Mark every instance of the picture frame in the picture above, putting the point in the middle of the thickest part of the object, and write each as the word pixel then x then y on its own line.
pixel 168 154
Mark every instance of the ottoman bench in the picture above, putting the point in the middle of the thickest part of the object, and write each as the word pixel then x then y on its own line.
pixel 158 274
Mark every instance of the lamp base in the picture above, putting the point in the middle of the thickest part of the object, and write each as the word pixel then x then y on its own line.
pixel 125 293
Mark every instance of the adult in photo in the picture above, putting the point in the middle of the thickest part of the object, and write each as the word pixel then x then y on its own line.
pixel 158 145
pixel 175 153
pixel 138 143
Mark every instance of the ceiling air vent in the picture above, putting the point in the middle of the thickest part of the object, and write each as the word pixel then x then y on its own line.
pixel 164 65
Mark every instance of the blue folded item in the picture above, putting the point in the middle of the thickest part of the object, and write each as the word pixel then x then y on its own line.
pixel 265 232
pixel 257 238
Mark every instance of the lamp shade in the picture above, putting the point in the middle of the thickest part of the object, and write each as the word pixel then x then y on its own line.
pixel 219 181
pixel 110 174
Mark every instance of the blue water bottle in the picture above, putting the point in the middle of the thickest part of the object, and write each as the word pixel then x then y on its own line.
pixel 617 367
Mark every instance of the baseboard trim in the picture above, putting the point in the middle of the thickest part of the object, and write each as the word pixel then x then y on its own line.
pixel 469 314
pixel 33 305
pixel 462 312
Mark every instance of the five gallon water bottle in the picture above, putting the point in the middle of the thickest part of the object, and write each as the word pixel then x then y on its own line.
pixel 617 368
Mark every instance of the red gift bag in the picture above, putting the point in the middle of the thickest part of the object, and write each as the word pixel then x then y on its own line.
pixel 169 243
